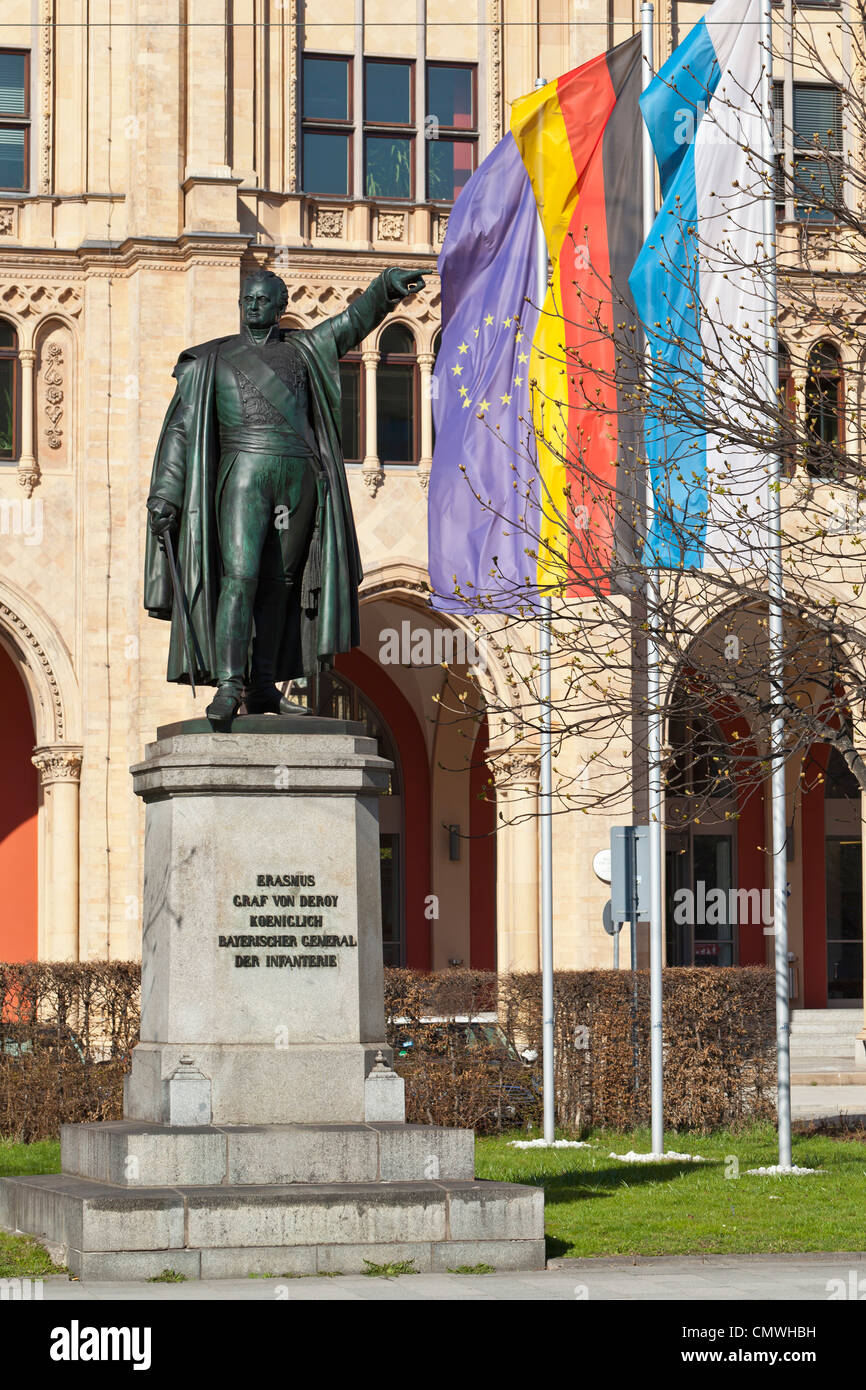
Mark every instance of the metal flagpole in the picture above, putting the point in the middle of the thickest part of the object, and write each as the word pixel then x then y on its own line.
pixel 776 599
pixel 545 790
pixel 654 717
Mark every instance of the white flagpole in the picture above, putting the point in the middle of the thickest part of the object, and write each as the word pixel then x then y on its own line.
pixel 654 714
pixel 776 600
pixel 545 790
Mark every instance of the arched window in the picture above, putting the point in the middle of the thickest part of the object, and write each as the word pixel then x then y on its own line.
pixel 397 391
pixel 437 343
pixel 352 406
pixel 825 420
pixel 788 410
pixel 701 764
pixel 8 392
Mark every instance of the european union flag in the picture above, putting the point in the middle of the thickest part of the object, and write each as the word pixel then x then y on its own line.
pixel 480 521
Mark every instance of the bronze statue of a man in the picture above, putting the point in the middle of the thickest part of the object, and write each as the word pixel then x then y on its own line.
pixel 249 482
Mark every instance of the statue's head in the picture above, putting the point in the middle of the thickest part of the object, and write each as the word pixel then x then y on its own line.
pixel 263 299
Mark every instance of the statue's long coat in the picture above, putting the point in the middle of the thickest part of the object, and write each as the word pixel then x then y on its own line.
pixel 323 608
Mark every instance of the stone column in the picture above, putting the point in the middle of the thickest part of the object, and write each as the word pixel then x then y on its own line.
pixel 371 469
pixel 28 468
pixel 59 766
pixel 425 463
pixel 517 889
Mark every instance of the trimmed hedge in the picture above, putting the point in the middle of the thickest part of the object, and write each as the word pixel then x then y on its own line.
pixel 67 1031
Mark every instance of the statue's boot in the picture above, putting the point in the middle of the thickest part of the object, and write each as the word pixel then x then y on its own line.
pixel 263 696
pixel 232 641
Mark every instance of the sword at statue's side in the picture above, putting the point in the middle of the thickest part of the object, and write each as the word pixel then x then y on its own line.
pixel 180 600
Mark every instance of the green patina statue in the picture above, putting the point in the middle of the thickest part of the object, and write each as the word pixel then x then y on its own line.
pixel 251 551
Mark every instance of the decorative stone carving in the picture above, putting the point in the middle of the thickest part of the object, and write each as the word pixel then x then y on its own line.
pixel 46 90
pixel 290 20
pixel 423 476
pixel 37 652
pixel 494 105
pixel 57 763
pixel 52 391
pixel 54 395
pixel 373 479
pixel 441 227
pixel 392 226
pixel 329 222
pixel 7 221
pixel 40 299
pixel 518 769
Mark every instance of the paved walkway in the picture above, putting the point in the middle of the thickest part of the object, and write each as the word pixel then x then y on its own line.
pixel 690 1278
pixel 820 1102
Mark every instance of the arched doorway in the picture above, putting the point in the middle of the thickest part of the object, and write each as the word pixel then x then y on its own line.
pixel 340 698
pixel 832 882
pixel 19 805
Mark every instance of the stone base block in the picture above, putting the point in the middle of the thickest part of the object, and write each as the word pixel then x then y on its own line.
pixel 256 1085
pixel 132 1154
pixel 210 1232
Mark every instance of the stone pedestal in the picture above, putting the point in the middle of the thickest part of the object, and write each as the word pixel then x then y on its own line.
pixel 263 1124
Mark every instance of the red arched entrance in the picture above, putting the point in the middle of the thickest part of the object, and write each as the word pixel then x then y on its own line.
pixel 398 714
pixel 482 859
pixel 18 821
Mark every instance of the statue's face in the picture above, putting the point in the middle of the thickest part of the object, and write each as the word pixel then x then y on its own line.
pixel 261 302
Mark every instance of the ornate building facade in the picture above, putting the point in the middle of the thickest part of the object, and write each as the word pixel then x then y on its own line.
pixel 150 155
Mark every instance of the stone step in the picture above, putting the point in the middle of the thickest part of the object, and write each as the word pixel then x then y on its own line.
pixel 110 1232
pixel 816 1075
pixel 140 1154
pixel 818 1046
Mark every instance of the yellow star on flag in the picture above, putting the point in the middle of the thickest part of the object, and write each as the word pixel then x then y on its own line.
pixel 488 320
pixel 464 390
pixel 506 323
pixel 464 347
pixel 506 400
pixel 523 357
pixel 457 371
pixel 518 381
pixel 466 403
pixel 485 405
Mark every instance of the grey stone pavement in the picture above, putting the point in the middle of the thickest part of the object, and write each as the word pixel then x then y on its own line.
pixel 687 1278
pixel 818 1102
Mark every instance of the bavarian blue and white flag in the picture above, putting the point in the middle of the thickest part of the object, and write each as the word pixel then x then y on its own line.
pixel 699 287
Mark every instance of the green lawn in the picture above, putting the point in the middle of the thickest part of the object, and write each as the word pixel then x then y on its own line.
pixel 596 1206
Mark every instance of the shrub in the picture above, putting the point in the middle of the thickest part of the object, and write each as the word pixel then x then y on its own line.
pixel 67 1030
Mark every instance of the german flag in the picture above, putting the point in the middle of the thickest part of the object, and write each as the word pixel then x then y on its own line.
pixel 580 141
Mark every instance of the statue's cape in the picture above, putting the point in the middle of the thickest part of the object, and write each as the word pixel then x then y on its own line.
pixel 323 609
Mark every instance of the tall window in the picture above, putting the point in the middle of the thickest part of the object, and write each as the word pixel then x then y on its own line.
pixel 451 130
pixel 389 128
pixel 352 406
pixel 14 119
pixel 814 184
pixel 390 125
pixel 326 102
pixel 8 392
pixel 824 404
pixel 397 393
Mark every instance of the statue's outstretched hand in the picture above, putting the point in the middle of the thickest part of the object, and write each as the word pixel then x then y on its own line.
pixel 404 282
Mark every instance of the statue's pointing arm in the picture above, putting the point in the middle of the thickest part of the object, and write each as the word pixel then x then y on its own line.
pixel 366 312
